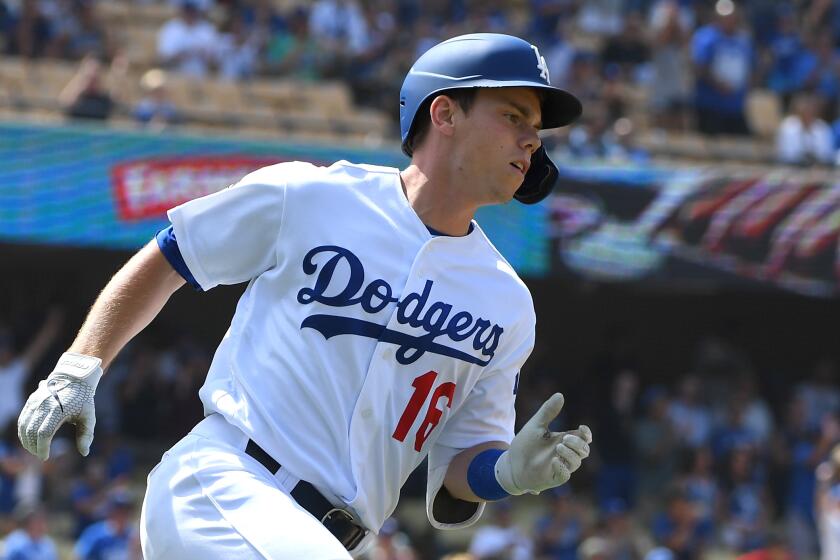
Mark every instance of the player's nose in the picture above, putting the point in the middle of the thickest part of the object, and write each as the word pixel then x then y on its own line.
pixel 530 141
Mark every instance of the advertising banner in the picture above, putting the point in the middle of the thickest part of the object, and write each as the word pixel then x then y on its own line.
pixel 95 187
pixel 700 227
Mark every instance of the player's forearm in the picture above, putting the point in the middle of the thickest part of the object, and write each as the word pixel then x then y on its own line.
pixel 456 475
pixel 127 304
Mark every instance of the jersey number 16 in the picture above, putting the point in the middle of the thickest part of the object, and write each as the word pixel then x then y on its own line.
pixel 422 387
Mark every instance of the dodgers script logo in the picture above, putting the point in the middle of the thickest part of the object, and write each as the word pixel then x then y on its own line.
pixel 413 310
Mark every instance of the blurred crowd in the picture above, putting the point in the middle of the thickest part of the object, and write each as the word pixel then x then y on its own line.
pixel 713 460
pixel 674 65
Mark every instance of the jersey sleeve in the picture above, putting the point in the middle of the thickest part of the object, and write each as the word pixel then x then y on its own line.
pixel 487 414
pixel 231 236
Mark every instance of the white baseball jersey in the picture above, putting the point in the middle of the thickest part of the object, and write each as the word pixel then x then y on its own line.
pixel 363 342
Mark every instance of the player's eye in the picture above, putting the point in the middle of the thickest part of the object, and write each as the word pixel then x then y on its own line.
pixel 514 119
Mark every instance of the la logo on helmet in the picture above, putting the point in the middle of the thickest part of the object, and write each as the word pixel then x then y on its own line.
pixel 541 65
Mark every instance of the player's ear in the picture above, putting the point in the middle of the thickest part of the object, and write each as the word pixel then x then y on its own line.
pixel 442 112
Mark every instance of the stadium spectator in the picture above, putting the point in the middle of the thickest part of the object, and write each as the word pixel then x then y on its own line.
pixel 369 72
pixel 92 93
pixel 11 464
pixel 341 29
pixel 655 442
pixel 670 82
pixel 77 31
pixel 238 49
pixel 559 56
pixel 558 534
pixel 89 495
pixel 723 55
pixel 628 50
pixel 623 540
pixel 183 408
pixel 825 78
pixel 30 34
pixel 775 549
pixel 746 513
pixel 501 538
pixel 139 396
pixel 820 392
pixel 828 505
pixel 601 17
pixel 295 52
pixel 797 451
pixel 30 540
pixel 731 432
pixel 791 63
pixel 15 368
pixel 188 44
pixel 262 18
pixel 155 110
pixel 700 485
pixel 691 418
pixel 804 138
pixel 547 17
pixel 7 25
pixel 595 547
pixel 757 416
pixel 660 553
pixel 615 420
pixel 446 15
pixel 392 544
pixel 114 537
pixel 679 529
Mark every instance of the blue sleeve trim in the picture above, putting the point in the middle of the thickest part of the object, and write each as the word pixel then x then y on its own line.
pixel 169 247
pixel 481 476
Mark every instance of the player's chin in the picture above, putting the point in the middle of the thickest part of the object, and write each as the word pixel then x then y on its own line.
pixel 510 191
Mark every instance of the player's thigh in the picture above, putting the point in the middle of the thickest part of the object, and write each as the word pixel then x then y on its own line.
pixel 212 503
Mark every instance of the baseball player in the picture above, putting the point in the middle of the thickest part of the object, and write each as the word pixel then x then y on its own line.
pixel 379 327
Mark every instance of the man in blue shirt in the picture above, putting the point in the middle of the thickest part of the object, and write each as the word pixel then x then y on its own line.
pixel 30 541
pixel 723 57
pixel 112 538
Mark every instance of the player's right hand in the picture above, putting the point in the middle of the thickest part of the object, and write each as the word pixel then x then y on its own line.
pixel 539 459
pixel 66 395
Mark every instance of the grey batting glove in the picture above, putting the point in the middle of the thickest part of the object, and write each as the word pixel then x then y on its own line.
pixel 539 459
pixel 66 395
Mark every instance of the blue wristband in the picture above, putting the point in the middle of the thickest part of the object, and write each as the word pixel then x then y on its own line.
pixel 481 476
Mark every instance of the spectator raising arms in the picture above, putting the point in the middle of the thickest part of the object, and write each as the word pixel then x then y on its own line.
pixel 92 93
pixel 15 368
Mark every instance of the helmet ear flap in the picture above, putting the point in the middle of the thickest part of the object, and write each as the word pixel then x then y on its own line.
pixel 539 180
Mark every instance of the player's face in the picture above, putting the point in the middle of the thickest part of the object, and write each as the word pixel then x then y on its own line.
pixel 495 145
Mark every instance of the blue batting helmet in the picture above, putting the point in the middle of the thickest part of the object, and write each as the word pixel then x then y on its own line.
pixel 490 60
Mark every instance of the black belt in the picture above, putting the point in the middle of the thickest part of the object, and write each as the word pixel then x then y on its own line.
pixel 337 521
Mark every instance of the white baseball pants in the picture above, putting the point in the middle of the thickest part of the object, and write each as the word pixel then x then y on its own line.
pixel 207 499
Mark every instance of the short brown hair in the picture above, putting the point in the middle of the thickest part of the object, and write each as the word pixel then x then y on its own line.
pixel 464 97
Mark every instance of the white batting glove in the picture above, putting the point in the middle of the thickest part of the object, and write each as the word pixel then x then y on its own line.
pixel 66 395
pixel 539 459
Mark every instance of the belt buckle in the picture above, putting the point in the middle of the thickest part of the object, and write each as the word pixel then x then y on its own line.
pixel 337 519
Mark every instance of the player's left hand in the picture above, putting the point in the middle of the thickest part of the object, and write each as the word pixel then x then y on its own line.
pixel 539 459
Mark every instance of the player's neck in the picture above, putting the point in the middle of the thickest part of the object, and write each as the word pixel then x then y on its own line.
pixel 436 202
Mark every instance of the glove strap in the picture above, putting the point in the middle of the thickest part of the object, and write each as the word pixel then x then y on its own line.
pixel 504 475
pixel 79 366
